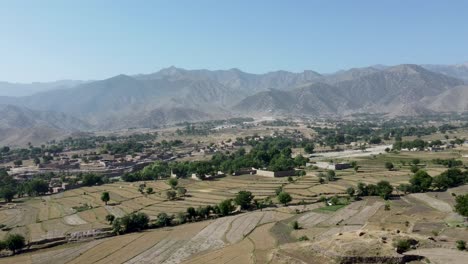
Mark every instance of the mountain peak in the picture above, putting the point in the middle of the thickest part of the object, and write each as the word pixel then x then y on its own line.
pixel 407 68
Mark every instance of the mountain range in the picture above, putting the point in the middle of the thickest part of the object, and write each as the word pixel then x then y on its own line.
pixel 174 95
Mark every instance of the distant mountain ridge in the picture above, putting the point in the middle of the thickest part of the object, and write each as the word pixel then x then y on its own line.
pixel 174 95
pixel 380 91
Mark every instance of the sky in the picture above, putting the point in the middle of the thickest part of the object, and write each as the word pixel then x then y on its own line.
pixel 95 39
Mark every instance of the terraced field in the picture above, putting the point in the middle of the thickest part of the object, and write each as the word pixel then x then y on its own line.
pixel 260 236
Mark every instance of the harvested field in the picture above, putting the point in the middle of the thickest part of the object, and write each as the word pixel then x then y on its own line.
pixel 242 226
pixel 74 219
pixel 433 202
pixel 441 255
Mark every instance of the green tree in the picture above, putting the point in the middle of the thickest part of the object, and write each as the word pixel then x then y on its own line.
pixel 331 175
pixel 173 182
pixel 14 242
pixel 110 218
pixel 37 187
pixel 130 223
pixel 163 219
pixel 309 148
pixel 91 179
pixel 389 166
pixel 421 181
pixel 284 198
pixel 461 205
pixel 149 190
pixel 300 160
pixel 225 207
pixel 244 199
pixel 461 245
pixel 295 225
pixel 181 191
pixel 171 195
pixel 105 197
pixel 350 191
pixel 384 189
pixel 192 213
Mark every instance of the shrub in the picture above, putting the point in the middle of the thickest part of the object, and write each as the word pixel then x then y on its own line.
pixel 389 166
pixel 461 245
pixel 110 218
pixel 295 225
pixel 130 223
pixel 303 238
pixel 461 204
pixel 171 195
pixel 402 245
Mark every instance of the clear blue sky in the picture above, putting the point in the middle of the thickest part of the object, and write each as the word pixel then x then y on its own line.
pixel 45 40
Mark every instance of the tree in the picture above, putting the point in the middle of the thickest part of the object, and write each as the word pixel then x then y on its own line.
pixel 15 242
pixel 331 175
pixel 421 181
pixel 37 187
pixel 461 245
pixel 91 179
pixel 225 207
pixel 295 225
pixel 309 148
pixel 110 218
pixel 389 166
pixel 362 189
pixel 181 191
pixel 244 199
pixel 18 163
pixel 350 191
pixel 300 160
pixel 173 182
pixel 405 188
pixel 461 205
pixel 441 182
pixel 181 218
pixel 37 161
pixel 284 198
pixel 414 169
pixel 416 161
pixel 8 192
pixel 384 189
pixel 163 219
pixel 402 245
pixel 171 195
pixel 192 214
pixel 130 223
pixel 149 190
pixel 105 197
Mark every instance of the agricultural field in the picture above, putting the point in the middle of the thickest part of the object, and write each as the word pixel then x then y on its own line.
pixel 267 237
pixel 262 236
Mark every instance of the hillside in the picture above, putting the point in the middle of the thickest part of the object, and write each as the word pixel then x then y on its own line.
pixel 453 100
pixel 396 90
pixel 19 125
pixel 175 95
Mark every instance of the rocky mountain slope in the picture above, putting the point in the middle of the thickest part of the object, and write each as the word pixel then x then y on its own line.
pixel 19 125
pixel 396 90
pixel 175 95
